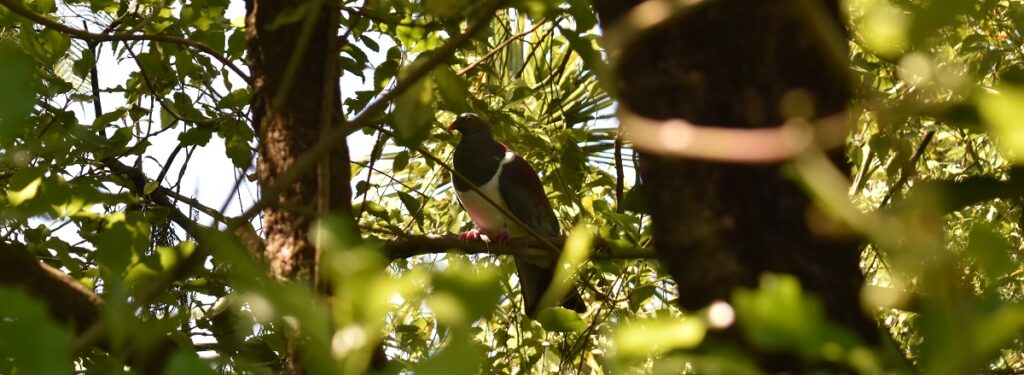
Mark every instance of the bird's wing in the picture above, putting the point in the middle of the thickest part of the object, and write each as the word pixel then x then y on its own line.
pixel 523 193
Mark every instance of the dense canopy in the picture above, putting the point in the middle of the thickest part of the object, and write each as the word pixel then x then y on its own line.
pixel 214 186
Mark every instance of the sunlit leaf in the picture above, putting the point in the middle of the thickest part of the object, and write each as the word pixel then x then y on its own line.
pixel 654 336
pixel 1003 113
pixel 560 319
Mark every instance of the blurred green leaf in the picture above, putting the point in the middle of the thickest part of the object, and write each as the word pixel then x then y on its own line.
pixel 645 337
pixel 466 293
pixel 560 319
pixel 453 89
pixel 185 363
pixel 414 113
pixel 576 251
pixel 462 356
pixel 779 316
pixel 17 72
pixel 1003 113
pixel 991 251
pixel 30 336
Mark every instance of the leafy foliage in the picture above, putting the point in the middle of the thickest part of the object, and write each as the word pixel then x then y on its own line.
pixel 98 180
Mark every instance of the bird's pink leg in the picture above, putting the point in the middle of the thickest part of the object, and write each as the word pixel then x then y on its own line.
pixel 471 235
pixel 502 238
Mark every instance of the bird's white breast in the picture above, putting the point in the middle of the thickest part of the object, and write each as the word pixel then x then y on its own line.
pixel 488 218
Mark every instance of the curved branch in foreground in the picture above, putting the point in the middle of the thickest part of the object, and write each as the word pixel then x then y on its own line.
pixel 71 303
pixel 16 7
pixel 408 246
pixel 91 334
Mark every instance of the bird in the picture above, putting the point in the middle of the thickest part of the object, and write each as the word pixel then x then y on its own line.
pixel 513 184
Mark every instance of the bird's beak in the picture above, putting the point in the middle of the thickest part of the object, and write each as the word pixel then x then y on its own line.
pixel 453 127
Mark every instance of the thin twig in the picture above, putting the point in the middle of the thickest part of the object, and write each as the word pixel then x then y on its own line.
pixel 501 46
pixel 619 176
pixel 908 168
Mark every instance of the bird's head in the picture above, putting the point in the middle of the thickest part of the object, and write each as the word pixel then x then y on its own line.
pixel 470 124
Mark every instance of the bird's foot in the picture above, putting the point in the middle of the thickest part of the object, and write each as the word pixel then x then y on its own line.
pixel 501 239
pixel 471 235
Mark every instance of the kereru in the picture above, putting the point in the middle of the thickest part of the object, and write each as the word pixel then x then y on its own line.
pixel 509 181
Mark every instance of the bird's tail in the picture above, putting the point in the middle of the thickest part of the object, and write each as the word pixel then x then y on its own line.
pixel 534 280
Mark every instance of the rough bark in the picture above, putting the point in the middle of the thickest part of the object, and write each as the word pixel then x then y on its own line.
pixel 718 226
pixel 291 105
pixel 293 125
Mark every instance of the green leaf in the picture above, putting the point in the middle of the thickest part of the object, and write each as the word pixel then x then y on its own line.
pixel 17 74
pixel 375 210
pixel 82 66
pixel 237 136
pixel 55 44
pixel 885 28
pixel 935 16
pixel 187 363
pixel 991 252
pixel 1003 113
pixel 462 357
pixel 414 113
pixel 156 66
pixel 780 317
pixel 641 338
pixel 124 235
pixel 560 319
pixel 464 294
pixel 453 89
pixel 576 251
pixel 998 329
pixel 639 295
pixel 236 44
pixel 572 165
pixel 17 196
pixel 410 203
pixel 150 187
pixel 197 136
pixel 43 6
pixel 401 161
pixel 31 338
pixel 105 119
pixel 236 99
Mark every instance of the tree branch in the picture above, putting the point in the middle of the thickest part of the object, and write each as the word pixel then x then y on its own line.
pixel 409 246
pixel 908 168
pixel 70 302
pixel 16 7
pixel 957 194
pixel 95 331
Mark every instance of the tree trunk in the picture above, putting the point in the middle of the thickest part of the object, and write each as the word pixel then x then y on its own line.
pixel 718 225
pixel 291 106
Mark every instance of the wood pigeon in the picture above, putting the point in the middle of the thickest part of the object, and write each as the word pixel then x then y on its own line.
pixel 509 181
